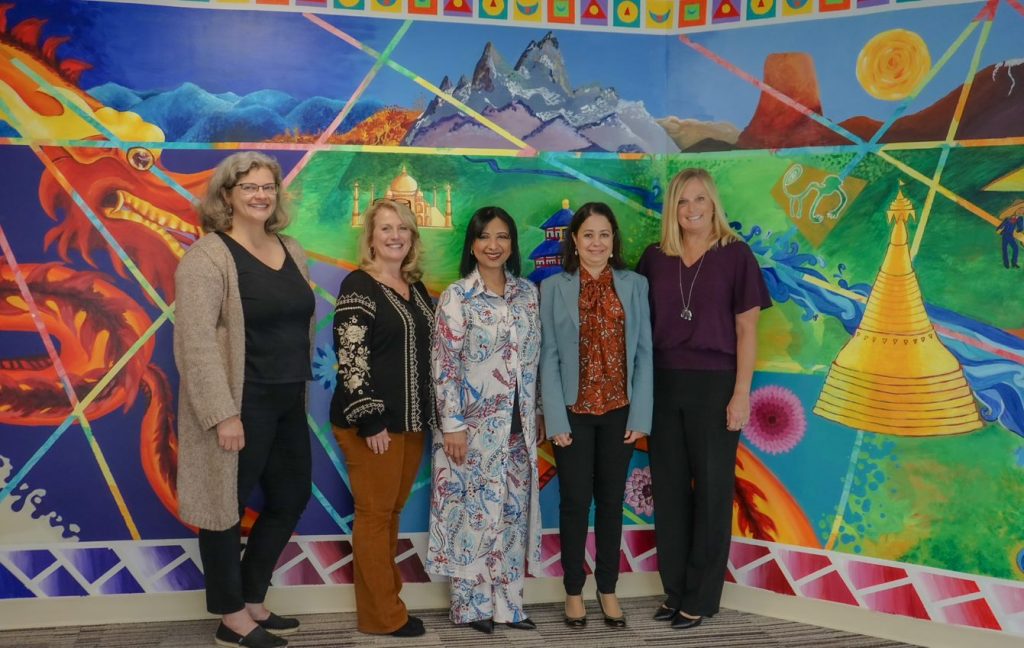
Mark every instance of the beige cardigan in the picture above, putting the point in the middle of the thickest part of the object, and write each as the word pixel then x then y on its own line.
pixel 209 350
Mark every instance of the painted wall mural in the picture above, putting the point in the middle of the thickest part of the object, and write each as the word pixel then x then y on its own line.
pixel 871 157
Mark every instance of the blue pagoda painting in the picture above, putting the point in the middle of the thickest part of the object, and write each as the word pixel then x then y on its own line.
pixel 547 257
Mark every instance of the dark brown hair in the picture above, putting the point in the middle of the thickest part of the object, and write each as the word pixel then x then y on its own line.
pixel 570 258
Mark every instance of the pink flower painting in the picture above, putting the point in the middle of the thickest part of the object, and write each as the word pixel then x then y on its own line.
pixel 777 422
pixel 638 491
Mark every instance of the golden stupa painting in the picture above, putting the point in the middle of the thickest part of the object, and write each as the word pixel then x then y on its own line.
pixel 895 376
pixel 405 189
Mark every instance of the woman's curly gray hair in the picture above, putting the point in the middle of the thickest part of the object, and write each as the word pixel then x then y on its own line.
pixel 215 208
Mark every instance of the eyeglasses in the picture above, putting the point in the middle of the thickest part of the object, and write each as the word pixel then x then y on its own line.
pixel 250 188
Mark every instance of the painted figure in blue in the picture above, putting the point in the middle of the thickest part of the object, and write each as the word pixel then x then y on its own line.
pixel 1008 229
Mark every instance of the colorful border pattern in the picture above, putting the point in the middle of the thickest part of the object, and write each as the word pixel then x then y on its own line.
pixel 562 14
pixel 96 569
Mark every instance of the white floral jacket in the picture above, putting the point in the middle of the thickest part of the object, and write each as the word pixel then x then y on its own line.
pixel 485 346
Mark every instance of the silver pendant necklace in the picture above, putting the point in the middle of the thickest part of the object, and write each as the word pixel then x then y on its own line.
pixel 687 313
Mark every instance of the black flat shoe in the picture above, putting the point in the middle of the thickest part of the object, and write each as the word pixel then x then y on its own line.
pixel 279 625
pixel 610 621
pixel 524 624
pixel 485 626
pixel 683 623
pixel 257 638
pixel 665 613
pixel 412 627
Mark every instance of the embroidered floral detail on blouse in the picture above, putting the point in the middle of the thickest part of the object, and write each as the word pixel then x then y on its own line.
pixel 353 355
pixel 638 491
pixel 777 421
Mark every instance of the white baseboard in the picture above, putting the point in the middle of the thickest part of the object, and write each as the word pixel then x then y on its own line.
pixel 321 599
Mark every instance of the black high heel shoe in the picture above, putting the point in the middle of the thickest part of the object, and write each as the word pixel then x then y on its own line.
pixel 610 621
pixel 577 622
pixel 485 626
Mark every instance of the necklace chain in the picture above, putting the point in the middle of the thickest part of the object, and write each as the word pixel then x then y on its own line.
pixel 687 313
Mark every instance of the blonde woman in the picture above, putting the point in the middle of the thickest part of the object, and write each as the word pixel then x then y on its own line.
pixel 706 294
pixel 241 342
pixel 383 404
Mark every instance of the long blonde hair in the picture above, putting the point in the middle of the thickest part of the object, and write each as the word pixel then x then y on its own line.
pixel 671 236
pixel 411 270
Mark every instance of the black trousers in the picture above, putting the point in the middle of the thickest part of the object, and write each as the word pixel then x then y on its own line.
pixel 277 457
pixel 594 468
pixel 693 469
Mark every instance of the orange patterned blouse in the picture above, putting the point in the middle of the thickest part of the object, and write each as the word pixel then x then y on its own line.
pixel 602 346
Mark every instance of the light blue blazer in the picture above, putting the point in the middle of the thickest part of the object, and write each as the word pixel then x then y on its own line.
pixel 560 348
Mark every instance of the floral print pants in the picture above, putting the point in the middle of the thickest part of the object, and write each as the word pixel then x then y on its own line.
pixel 498 594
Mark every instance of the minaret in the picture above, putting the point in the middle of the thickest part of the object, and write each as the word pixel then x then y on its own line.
pixel 355 204
pixel 448 206
pixel 895 376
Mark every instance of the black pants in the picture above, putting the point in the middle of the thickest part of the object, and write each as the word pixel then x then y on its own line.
pixel 594 468
pixel 693 469
pixel 277 457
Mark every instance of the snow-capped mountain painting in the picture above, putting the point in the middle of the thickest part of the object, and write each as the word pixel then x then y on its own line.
pixel 534 101
pixel 189 113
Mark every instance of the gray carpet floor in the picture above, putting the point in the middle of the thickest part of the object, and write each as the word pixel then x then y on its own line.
pixel 728 629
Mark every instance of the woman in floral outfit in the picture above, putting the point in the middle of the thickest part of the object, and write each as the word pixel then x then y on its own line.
pixel 484 513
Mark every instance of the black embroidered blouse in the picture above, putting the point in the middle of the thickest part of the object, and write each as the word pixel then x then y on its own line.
pixel 382 342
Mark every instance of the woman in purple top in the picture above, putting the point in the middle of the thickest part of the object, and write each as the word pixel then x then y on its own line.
pixel 706 294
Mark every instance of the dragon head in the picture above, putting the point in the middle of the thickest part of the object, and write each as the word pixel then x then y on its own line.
pixel 126 189
pixel 153 222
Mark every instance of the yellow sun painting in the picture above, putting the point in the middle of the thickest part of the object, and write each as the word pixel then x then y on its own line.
pixel 892 64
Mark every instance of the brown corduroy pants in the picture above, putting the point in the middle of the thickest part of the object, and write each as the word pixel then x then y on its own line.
pixel 380 486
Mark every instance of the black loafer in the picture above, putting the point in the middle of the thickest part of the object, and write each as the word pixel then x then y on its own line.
pixel 665 613
pixel 485 626
pixel 412 627
pixel 279 625
pixel 257 638
pixel 683 623
pixel 524 624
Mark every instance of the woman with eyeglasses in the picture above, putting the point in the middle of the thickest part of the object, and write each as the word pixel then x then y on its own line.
pixel 706 293
pixel 596 377
pixel 242 336
pixel 383 404
pixel 484 513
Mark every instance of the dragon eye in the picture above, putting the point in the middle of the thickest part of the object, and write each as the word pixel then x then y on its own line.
pixel 140 158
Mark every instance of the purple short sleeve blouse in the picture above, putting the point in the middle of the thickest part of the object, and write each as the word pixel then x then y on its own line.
pixel 728 283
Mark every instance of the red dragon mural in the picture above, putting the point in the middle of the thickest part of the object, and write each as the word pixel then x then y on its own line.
pixel 92 322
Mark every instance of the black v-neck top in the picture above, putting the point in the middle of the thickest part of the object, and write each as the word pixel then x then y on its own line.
pixel 383 345
pixel 277 306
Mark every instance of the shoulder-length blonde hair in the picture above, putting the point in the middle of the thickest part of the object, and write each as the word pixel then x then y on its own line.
pixel 215 208
pixel 671 236
pixel 411 270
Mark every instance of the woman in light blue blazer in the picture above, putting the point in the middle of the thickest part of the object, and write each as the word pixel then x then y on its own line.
pixel 596 382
